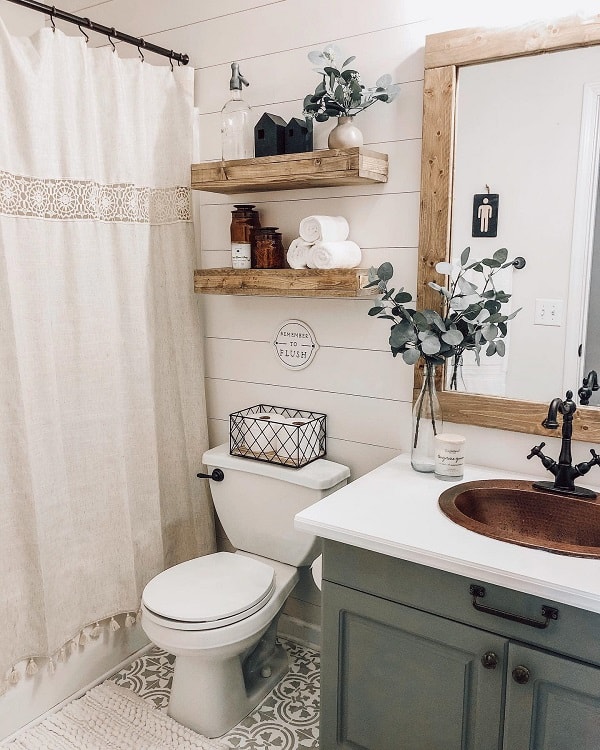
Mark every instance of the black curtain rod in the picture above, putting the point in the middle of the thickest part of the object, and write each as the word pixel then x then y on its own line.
pixel 63 15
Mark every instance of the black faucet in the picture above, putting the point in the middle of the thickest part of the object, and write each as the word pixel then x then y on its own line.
pixel 563 469
pixel 588 386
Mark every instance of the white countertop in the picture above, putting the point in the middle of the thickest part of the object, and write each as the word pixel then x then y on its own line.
pixel 394 510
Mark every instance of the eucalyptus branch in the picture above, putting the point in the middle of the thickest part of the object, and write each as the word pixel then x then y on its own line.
pixel 340 92
pixel 470 318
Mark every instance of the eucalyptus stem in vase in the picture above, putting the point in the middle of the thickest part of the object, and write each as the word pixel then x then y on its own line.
pixel 427 421
pixel 470 318
pixel 341 93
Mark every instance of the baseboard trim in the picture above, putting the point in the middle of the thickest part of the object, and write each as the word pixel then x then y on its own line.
pixel 305 633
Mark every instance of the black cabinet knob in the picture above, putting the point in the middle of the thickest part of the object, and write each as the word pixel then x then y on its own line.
pixel 521 675
pixel 489 660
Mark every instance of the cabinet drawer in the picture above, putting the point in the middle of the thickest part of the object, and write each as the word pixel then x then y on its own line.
pixel 575 633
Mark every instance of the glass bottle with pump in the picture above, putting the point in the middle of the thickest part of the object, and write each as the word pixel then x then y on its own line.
pixel 237 133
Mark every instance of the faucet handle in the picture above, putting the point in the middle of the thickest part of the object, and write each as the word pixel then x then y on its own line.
pixel 595 457
pixel 536 450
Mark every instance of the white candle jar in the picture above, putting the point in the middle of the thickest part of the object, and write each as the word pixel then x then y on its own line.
pixel 449 456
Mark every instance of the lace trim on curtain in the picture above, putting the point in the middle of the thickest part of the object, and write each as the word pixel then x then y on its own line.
pixel 82 199
pixel 29 666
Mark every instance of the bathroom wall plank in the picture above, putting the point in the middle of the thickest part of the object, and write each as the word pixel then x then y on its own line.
pixel 262 315
pixel 143 18
pixel 361 458
pixel 21 21
pixel 289 75
pixel 78 6
pixel 285 25
pixel 358 419
pixel 356 372
pixel 215 259
pixel 400 120
pixel 376 220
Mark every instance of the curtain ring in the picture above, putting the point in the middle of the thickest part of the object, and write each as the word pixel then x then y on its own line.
pixel 171 60
pixel 141 44
pixel 87 20
pixel 52 12
pixel 113 32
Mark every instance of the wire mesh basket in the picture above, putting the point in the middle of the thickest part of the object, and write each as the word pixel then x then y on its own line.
pixel 279 435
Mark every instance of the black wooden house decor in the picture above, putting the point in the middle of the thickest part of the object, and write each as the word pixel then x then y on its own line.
pixel 269 135
pixel 298 136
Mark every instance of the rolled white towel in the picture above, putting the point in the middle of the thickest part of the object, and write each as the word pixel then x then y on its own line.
pixel 335 255
pixel 298 253
pixel 324 228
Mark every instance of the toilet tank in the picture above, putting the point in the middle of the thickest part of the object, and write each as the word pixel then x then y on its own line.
pixel 256 503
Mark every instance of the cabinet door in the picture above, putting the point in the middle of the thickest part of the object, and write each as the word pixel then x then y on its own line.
pixel 557 708
pixel 395 678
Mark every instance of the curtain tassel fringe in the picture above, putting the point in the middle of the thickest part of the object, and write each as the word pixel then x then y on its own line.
pixel 83 638
pixel 114 625
pixel 31 668
pixel 138 616
pixel 95 631
pixel 62 654
pixel 129 620
pixel 13 676
pixel 51 666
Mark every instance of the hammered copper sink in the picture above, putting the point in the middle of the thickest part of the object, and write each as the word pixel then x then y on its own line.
pixel 513 511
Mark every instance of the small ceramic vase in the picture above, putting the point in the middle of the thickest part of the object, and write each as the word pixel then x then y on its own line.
pixel 345 134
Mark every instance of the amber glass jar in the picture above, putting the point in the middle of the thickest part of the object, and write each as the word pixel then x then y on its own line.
pixel 267 249
pixel 244 221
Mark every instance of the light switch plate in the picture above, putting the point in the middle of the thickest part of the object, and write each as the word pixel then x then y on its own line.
pixel 548 312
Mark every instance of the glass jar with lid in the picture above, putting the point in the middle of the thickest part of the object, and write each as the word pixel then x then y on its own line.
pixel 267 248
pixel 244 221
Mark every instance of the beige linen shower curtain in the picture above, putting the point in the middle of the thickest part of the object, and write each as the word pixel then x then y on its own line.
pixel 102 414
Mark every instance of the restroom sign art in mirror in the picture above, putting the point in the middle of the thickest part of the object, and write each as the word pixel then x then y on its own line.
pixel 295 344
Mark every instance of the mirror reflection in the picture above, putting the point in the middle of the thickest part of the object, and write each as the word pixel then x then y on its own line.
pixel 527 135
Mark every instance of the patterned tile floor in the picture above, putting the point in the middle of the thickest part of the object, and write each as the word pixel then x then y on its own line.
pixel 287 719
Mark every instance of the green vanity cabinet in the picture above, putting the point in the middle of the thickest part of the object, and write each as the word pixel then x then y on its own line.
pixel 557 709
pixel 409 664
pixel 402 679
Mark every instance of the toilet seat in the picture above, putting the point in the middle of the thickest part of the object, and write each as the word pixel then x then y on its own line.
pixel 209 592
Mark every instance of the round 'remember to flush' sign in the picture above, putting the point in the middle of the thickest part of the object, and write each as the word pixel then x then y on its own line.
pixel 295 344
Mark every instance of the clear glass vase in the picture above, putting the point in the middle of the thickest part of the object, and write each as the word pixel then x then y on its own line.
pixel 426 423
pixel 456 378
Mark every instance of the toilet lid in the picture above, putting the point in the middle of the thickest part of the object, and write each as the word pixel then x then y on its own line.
pixel 211 588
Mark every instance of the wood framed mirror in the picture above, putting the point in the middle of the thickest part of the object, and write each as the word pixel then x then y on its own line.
pixel 445 54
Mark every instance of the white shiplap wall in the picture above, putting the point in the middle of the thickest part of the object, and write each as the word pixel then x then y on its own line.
pixel 365 394
pixel 354 379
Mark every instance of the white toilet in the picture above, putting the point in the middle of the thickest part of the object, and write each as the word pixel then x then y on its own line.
pixel 218 613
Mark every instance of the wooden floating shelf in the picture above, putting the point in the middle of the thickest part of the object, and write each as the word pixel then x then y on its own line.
pixel 328 168
pixel 284 282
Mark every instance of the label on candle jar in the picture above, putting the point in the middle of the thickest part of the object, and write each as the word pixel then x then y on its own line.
pixel 240 255
pixel 449 456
